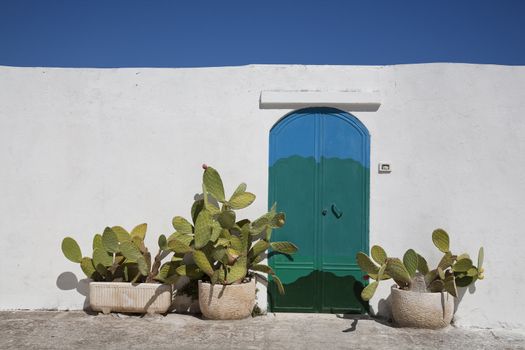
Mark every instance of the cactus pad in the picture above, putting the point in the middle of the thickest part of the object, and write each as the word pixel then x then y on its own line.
pixel 167 273
pixel 441 240
pixel 219 254
pixel 368 292
pixel 163 242
pixel 216 231
pixel 378 254
pixel 366 264
pixel 130 251
pixel 86 264
pixel 375 276
pixel 422 265
pixel 464 281
pixel 436 286
pixel 110 240
pixel 143 266
pixel 213 182
pixel 240 189
pixel 202 262
pixel 462 265
pixel 182 225
pixel 450 286
pixel 278 220
pixel 237 271
pixel 227 219
pixel 203 228
pixel 463 256
pixel 263 268
pixel 241 200
pixel 260 224
pixel 196 208
pixel 139 231
pixel 179 247
pixel 481 255
pixel 410 260
pixel 399 273
pixel 284 247
pixel 381 272
pixel 472 272
pixel 71 250
pixel 121 233
pixel 441 273
pixel 101 257
pixel 97 242
pixel 258 248
pixel 446 261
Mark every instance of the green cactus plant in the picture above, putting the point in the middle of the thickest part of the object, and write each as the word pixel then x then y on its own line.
pixel 224 249
pixel 452 271
pixel 121 256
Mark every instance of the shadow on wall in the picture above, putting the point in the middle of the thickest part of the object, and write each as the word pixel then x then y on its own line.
pixel 384 309
pixel 69 281
pixel 461 293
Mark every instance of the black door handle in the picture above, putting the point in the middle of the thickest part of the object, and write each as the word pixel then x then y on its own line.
pixel 337 212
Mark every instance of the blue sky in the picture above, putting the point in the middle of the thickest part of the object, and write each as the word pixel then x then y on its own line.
pixel 194 33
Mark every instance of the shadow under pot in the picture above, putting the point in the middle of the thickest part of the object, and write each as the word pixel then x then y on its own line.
pixel 130 297
pixel 186 304
pixel 421 310
pixel 227 302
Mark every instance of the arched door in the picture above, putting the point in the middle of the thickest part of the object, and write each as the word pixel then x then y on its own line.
pixel 319 176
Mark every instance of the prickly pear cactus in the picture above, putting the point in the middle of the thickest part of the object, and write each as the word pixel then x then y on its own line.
pixel 375 267
pixel 412 272
pixel 224 249
pixel 119 256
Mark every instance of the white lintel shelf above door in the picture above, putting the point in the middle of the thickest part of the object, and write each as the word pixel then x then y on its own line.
pixel 351 101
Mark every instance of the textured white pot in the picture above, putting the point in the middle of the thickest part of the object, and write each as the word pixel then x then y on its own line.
pixel 128 297
pixel 421 310
pixel 227 302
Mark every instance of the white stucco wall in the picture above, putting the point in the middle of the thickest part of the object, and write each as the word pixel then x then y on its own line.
pixel 86 148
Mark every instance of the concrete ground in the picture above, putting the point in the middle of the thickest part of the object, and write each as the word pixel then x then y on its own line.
pixel 78 330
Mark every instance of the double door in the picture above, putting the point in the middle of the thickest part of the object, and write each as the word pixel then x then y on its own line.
pixel 319 176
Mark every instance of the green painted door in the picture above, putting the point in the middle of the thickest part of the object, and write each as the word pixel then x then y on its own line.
pixel 319 176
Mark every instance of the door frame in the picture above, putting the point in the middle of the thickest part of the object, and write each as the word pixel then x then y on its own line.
pixel 358 125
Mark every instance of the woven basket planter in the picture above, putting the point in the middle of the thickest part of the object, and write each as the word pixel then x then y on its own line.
pixel 227 302
pixel 421 310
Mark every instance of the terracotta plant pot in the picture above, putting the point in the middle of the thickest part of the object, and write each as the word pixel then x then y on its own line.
pixel 127 297
pixel 227 302
pixel 421 310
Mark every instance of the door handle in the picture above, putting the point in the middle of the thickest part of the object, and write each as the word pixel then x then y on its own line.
pixel 337 212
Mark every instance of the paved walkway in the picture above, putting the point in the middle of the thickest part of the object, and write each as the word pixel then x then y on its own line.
pixel 78 330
